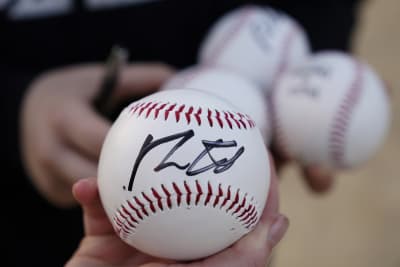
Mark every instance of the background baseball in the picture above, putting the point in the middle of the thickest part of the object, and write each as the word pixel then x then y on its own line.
pixel 258 42
pixel 333 111
pixel 239 91
pixel 181 179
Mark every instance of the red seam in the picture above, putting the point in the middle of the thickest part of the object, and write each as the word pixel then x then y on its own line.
pixel 278 133
pixel 178 112
pixel 342 118
pixel 218 117
pixel 227 38
pixel 125 220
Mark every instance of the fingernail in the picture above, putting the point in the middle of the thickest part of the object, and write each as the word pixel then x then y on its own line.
pixel 277 230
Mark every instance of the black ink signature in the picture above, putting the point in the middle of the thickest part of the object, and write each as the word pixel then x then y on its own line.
pixel 307 88
pixel 264 30
pixel 218 165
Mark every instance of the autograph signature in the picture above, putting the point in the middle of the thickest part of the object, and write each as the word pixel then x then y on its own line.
pixel 218 165
pixel 309 87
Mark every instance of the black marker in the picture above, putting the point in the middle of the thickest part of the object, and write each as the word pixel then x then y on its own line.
pixel 116 60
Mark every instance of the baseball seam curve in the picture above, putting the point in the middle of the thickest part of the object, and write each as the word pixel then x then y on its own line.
pixel 130 214
pixel 190 114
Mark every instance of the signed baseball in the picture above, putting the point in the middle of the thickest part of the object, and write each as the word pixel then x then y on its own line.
pixel 239 91
pixel 183 174
pixel 258 42
pixel 333 111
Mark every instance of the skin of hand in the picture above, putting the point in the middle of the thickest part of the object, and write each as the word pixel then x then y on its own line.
pixel 60 132
pixel 101 247
pixel 317 179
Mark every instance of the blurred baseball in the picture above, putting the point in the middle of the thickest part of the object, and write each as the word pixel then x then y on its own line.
pixel 239 91
pixel 333 111
pixel 183 174
pixel 258 42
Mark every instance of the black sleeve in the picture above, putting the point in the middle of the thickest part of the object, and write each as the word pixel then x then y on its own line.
pixel 13 82
pixel 46 220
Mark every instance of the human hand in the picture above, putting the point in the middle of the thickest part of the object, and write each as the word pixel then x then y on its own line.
pixel 317 179
pixel 101 247
pixel 61 133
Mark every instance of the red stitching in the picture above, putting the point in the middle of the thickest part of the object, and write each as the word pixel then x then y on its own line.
pixel 218 117
pixel 137 106
pixel 188 113
pixel 135 209
pixel 151 109
pixel 241 117
pixel 229 35
pixel 141 206
pixel 158 197
pixel 166 192
pixel 153 209
pixel 210 121
pixel 214 117
pixel 342 118
pixel 188 192
pixel 125 211
pixel 251 123
pixel 209 194
pixel 235 201
pixel 178 112
pixel 279 139
pixel 220 194
pixel 144 107
pixel 134 107
pixel 228 119
pixel 199 192
pixel 178 192
pixel 126 221
pixel 235 120
pixel 228 197
pixel 169 110
pixel 197 116
pixel 122 225
pixel 246 213
pixel 159 109
pixel 240 206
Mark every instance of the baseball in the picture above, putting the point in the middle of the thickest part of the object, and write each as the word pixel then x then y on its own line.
pixel 258 42
pixel 239 91
pixel 183 174
pixel 333 111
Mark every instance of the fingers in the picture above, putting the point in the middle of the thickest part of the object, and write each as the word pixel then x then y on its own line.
pixel 69 165
pixel 277 230
pixel 317 179
pixel 272 205
pixel 96 221
pixel 254 249
pixel 83 129
pixel 272 225
pixel 142 79
pixel 58 173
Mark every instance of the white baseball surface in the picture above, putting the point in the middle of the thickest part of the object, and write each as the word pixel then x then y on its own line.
pixel 258 42
pixel 241 92
pixel 183 174
pixel 334 111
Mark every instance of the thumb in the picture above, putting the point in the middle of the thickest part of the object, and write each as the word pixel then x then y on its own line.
pixel 96 221
pixel 141 79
